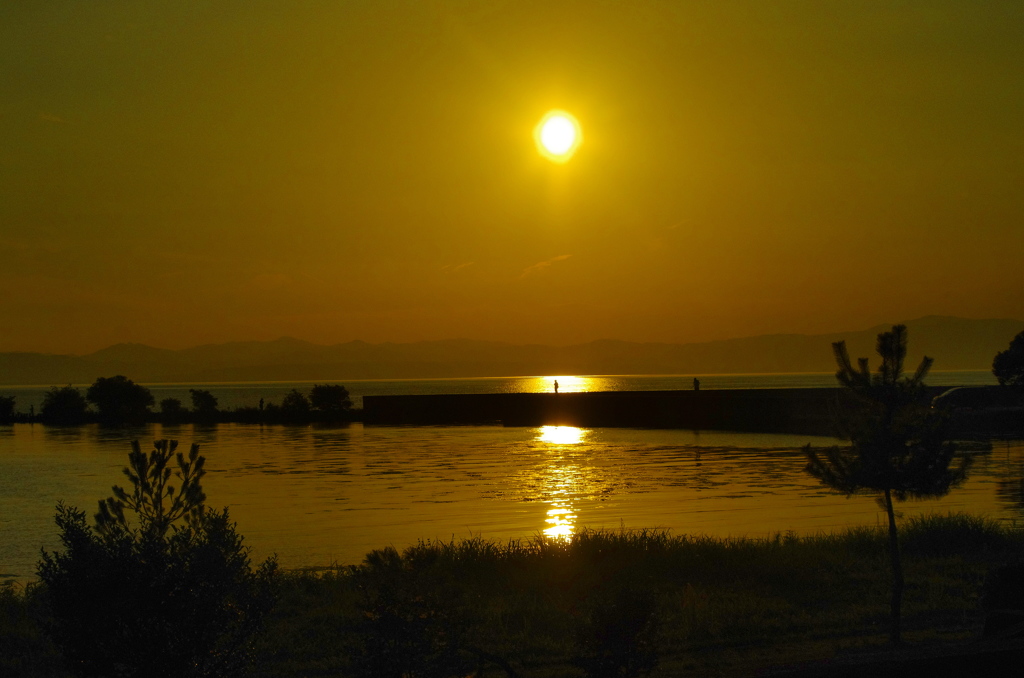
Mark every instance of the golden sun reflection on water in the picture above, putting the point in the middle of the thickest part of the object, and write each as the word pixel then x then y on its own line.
pixel 561 480
pixel 567 383
pixel 561 523
pixel 562 435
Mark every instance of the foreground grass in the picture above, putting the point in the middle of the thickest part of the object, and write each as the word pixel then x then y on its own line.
pixel 642 599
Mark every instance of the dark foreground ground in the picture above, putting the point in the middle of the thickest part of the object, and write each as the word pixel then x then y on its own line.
pixel 811 606
pixel 626 603
pixel 992 657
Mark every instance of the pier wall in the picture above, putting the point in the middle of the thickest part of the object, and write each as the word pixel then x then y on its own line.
pixel 800 410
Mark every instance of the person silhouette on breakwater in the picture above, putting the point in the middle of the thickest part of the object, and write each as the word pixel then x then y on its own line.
pixel 556 386
pixel 696 384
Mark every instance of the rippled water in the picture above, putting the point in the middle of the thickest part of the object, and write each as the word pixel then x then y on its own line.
pixel 322 495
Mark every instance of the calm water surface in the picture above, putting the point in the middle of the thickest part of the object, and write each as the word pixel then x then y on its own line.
pixel 321 495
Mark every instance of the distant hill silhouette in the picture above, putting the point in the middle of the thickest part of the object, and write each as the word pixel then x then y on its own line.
pixel 955 343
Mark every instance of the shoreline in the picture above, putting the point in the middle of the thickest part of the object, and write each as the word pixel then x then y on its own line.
pixel 805 411
pixel 986 411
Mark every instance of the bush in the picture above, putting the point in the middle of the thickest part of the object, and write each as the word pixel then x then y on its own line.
pixel 24 649
pixel 6 409
pixel 119 399
pixel 63 405
pixel 173 595
pixel 1008 365
pixel 331 400
pixel 295 405
pixel 171 409
pixel 204 403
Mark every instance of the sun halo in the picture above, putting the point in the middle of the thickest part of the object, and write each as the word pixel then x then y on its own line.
pixel 558 135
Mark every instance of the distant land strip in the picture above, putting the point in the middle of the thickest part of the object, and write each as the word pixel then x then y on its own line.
pixel 955 343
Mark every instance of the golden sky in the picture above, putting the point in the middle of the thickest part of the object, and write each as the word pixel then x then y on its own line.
pixel 192 172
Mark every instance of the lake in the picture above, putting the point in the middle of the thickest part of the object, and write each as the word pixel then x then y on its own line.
pixel 318 495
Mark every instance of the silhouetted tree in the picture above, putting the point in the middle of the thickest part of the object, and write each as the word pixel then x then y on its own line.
pixel 63 405
pixel 295 404
pixel 204 403
pixel 1008 365
pixel 171 409
pixel 169 592
pixel 331 400
pixel 119 399
pixel 6 409
pixel 898 447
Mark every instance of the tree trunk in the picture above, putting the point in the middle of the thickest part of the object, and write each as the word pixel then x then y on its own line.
pixel 897 572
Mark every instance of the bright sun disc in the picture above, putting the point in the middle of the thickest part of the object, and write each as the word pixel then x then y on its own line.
pixel 558 136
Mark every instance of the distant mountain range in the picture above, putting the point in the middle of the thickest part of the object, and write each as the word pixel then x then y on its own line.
pixel 955 343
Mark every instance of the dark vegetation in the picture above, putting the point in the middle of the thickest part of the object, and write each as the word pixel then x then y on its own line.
pixel 899 443
pixel 204 403
pixel 158 586
pixel 119 400
pixel 6 409
pixel 171 591
pixel 64 405
pixel 1008 365
pixel 606 603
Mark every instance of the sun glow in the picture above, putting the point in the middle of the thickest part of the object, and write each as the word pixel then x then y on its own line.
pixel 558 135
pixel 566 384
pixel 561 523
pixel 562 435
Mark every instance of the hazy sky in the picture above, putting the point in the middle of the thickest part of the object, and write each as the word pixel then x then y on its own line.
pixel 192 172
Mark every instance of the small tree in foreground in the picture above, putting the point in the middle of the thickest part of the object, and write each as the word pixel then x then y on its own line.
pixel 898 448
pixel 1008 365
pixel 161 586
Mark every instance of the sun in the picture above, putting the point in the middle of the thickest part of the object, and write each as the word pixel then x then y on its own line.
pixel 558 135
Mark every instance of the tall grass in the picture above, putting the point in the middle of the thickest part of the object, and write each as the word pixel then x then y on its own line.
pixel 607 601
pixel 686 602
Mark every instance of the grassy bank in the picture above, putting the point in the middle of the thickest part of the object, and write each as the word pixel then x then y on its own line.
pixel 680 604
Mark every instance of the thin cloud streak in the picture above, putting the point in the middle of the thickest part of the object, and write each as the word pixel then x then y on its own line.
pixel 540 266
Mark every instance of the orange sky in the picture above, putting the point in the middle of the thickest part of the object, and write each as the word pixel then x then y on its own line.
pixel 184 173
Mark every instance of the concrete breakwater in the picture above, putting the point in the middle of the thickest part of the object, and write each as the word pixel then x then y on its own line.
pixel 808 411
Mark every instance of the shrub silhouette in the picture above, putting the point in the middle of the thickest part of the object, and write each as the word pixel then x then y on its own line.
pixel 204 403
pixel 6 409
pixel 898 443
pixel 295 406
pixel 1008 365
pixel 119 399
pixel 331 400
pixel 416 621
pixel 171 409
pixel 172 594
pixel 63 405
